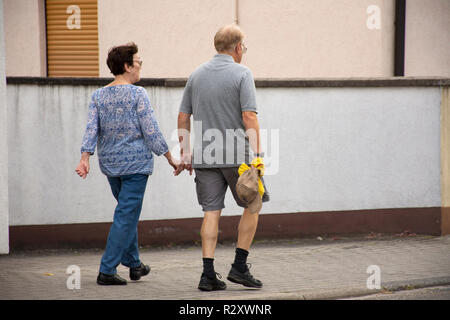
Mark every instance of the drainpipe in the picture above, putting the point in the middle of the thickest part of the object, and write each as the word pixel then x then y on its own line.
pixel 235 8
pixel 399 54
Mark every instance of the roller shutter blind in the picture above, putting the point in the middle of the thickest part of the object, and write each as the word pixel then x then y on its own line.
pixel 72 38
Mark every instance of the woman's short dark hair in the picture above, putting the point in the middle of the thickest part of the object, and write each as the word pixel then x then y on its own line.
pixel 119 55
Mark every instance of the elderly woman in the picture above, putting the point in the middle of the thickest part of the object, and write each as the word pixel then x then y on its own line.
pixel 122 124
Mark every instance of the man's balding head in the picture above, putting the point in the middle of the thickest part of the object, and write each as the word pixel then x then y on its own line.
pixel 227 38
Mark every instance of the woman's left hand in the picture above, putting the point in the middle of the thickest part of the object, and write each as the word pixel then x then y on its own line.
pixel 83 166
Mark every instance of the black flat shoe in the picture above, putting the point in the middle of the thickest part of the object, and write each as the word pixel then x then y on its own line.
pixel 138 272
pixel 244 278
pixel 208 284
pixel 110 280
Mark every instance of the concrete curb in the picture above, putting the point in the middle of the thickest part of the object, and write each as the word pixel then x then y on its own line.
pixel 343 293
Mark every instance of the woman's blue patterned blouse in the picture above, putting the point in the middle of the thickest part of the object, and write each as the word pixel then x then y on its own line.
pixel 122 124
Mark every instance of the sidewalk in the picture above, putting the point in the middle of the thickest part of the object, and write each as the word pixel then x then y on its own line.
pixel 297 269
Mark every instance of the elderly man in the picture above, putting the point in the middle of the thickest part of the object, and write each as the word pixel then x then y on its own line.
pixel 220 94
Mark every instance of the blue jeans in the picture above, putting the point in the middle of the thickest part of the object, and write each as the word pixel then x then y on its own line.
pixel 122 245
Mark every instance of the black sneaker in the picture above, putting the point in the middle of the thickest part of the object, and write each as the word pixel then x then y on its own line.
pixel 110 280
pixel 138 272
pixel 208 284
pixel 244 278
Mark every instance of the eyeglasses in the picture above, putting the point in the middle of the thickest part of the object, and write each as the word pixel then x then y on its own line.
pixel 139 61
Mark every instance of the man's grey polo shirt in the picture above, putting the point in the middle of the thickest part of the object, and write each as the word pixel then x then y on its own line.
pixel 216 94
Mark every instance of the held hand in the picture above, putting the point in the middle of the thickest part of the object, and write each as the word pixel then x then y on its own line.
pixel 177 165
pixel 179 168
pixel 83 168
pixel 186 158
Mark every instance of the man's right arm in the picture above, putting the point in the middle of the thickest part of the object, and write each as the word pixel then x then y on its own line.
pixel 251 125
pixel 252 130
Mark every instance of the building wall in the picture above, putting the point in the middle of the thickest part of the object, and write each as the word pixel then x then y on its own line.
pixel 338 149
pixel 326 38
pixel 286 38
pixel 173 37
pixel 4 207
pixel 427 39
pixel 25 38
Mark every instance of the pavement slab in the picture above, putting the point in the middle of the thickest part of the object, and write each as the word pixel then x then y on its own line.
pixel 298 269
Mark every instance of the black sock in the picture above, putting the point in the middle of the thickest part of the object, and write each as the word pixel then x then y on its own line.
pixel 240 260
pixel 208 267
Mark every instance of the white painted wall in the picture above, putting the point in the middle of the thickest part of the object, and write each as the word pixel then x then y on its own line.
pixel 340 149
pixel 4 213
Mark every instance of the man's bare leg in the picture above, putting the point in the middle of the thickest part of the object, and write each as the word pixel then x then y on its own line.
pixel 209 233
pixel 247 229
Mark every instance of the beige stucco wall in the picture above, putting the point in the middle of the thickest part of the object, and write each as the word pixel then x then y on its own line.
pixel 427 39
pixel 173 37
pixel 286 38
pixel 25 37
pixel 324 38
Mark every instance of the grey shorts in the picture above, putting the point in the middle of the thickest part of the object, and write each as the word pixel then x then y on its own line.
pixel 212 183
